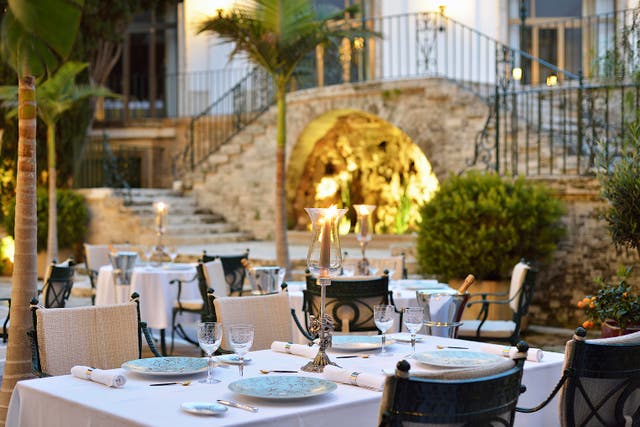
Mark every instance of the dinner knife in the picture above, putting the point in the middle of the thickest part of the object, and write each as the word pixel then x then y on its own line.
pixel 238 405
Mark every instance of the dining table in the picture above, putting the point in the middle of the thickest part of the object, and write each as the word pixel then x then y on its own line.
pixel 81 402
pixel 403 292
pixel 157 294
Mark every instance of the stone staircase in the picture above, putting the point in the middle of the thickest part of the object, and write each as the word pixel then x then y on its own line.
pixel 186 223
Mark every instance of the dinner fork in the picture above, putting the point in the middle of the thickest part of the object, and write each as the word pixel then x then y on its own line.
pixel 183 383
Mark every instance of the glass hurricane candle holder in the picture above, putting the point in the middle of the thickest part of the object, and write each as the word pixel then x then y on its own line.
pixel 159 254
pixel 324 260
pixel 364 228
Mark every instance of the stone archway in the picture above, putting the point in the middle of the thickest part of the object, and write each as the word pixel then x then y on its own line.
pixel 348 156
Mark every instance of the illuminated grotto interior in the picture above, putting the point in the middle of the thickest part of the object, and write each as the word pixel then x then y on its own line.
pixel 352 157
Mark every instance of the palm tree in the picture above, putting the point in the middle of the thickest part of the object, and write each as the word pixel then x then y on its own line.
pixel 277 35
pixel 35 35
pixel 55 96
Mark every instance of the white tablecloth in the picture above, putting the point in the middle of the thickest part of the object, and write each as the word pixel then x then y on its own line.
pixel 67 401
pixel 403 291
pixel 156 294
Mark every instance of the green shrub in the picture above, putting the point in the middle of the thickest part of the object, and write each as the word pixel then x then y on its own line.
pixel 621 187
pixel 482 224
pixel 73 218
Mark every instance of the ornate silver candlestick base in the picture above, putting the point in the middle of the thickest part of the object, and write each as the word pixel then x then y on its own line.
pixel 324 327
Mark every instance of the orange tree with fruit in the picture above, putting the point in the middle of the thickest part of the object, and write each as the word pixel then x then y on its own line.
pixel 613 302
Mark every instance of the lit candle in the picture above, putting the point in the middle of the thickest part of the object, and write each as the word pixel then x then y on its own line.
pixel 325 241
pixel 161 210
pixel 364 226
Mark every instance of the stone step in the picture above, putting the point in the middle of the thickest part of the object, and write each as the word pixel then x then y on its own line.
pixel 185 239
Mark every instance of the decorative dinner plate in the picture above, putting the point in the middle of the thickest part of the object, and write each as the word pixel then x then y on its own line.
pixel 358 342
pixel 232 359
pixel 203 408
pixel 282 386
pixel 167 365
pixel 405 337
pixel 421 284
pixel 456 358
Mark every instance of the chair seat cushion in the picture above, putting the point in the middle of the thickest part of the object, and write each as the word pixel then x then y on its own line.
pixel 490 328
pixel 189 304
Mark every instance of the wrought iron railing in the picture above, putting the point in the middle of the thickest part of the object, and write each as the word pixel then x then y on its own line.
pixel 413 46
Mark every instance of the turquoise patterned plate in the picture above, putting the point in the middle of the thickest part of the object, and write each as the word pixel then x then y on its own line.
pixel 166 365
pixel 358 342
pixel 457 358
pixel 204 408
pixel 282 387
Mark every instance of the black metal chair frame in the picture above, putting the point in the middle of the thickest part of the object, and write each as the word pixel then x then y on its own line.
pixel 57 287
pixel 524 296
pixel 5 325
pixel 598 361
pixel 206 311
pixel 234 270
pixel 36 366
pixel 470 402
pixel 344 293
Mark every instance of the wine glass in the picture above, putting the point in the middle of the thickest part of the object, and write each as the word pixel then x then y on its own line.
pixel 383 317
pixel 413 318
pixel 241 340
pixel 148 251
pixel 173 253
pixel 209 338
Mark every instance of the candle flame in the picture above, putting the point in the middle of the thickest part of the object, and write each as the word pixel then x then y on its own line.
pixel 161 207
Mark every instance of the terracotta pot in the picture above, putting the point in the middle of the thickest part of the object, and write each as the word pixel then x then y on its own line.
pixel 611 329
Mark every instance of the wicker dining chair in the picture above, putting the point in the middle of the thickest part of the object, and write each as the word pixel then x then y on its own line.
pixel 58 283
pixel 481 397
pixel 234 270
pixel 349 301
pixel 100 336
pixel 523 282
pixel 600 385
pixel 269 314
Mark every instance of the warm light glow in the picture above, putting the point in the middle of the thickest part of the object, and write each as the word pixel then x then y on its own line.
pixel 358 43
pixel 552 80
pixel 517 73
pixel 7 248
pixel 326 188
pixel 161 207
pixel 442 9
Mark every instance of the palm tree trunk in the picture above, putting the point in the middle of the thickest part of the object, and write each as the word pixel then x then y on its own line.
pixel 52 232
pixel 25 274
pixel 282 246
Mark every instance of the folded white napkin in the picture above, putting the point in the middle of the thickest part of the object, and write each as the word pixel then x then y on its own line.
pixel 533 355
pixel 353 377
pixel 111 377
pixel 297 349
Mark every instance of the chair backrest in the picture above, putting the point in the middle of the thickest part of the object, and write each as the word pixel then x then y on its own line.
pixel 483 397
pixel 57 284
pixel 95 256
pixel 602 386
pixel 100 336
pixel 349 301
pixel 269 314
pixel 215 279
pixel 525 276
pixel 234 271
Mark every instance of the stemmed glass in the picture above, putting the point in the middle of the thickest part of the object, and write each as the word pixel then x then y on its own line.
pixel 173 253
pixel 209 337
pixel 148 251
pixel 413 319
pixel 241 340
pixel 383 316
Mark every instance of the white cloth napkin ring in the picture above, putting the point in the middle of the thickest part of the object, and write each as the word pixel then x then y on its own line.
pixel 287 347
pixel 88 373
pixel 354 377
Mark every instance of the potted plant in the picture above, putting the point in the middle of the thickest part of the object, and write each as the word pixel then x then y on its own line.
pixel 483 224
pixel 614 306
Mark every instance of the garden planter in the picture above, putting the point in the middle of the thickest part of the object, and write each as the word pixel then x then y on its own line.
pixel 611 329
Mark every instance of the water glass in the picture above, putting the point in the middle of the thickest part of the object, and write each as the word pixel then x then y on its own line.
pixel 413 319
pixel 383 316
pixel 241 340
pixel 209 338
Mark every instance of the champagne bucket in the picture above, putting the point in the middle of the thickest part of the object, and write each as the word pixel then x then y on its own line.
pixel 123 263
pixel 442 310
pixel 266 280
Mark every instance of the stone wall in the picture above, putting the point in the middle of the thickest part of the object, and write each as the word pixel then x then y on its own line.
pixel 238 180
